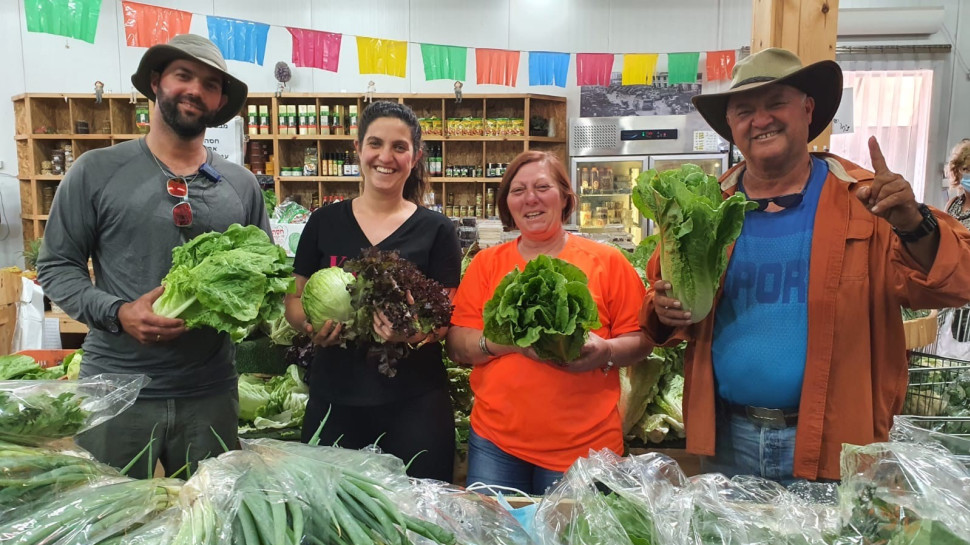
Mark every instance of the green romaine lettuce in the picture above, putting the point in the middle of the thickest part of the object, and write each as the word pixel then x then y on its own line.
pixel 228 281
pixel 696 226
pixel 547 306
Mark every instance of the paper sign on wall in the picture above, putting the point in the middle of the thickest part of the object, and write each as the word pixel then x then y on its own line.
pixel 227 140
pixel 843 120
pixel 705 141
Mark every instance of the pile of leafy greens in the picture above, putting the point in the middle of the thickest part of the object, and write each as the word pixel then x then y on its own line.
pixel 276 403
pixel 696 226
pixel 547 306
pixel 22 367
pixel 40 415
pixel 229 281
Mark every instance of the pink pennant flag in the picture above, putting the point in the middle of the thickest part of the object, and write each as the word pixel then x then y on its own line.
pixel 315 48
pixel 593 68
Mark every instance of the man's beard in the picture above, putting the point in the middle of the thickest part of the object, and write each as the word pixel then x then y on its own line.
pixel 183 126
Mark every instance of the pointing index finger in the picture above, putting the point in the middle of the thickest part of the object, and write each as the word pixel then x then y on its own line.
pixel 875 154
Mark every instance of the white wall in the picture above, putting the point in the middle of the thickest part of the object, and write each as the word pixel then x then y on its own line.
pixel 35 62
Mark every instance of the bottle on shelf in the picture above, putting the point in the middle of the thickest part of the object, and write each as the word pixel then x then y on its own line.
pixel 594 179
pixel 584 179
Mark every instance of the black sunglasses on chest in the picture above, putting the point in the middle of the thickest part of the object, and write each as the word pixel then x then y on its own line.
pixel 790 200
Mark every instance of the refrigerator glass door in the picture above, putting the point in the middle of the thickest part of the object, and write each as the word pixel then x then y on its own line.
pixel 714 164
pixel 604 185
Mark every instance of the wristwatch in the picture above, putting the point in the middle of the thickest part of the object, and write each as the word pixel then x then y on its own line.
pixel 113 324
pixel 928 226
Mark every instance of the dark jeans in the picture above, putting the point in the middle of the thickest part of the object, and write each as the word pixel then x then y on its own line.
pixel 422 426
pixel 180 426
pixel 745 448
pixel 491 465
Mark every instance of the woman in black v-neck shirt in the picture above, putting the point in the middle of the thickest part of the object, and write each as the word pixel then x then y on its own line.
pixel 410 412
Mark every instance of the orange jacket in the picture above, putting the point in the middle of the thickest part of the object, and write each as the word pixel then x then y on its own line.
pixel 856 370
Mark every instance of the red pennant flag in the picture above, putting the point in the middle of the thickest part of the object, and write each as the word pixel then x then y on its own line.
pixel 146 25
pixel 593 68
pixel 497 66
pixel 720 64
pixel 315 48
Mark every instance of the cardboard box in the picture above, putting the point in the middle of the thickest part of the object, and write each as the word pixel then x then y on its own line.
pixel 324 119
pixel 352 121
pixel 252 119
pixel 287 235
pixel 291 118
pixel 263 110
pixel 337 127
pixel 311 119
pixel 281 121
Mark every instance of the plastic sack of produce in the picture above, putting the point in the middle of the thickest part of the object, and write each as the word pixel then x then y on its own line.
pixel 906 429
pixel 475 519
pixel 367 495
pixel 92 513
pixel 621 501
pixel 35 412
pixel 904 494
pixel 37 475
pixel 748 510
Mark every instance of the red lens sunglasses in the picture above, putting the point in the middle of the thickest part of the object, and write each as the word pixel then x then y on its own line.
pixel 182 211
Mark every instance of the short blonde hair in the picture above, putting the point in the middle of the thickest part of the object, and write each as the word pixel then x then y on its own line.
pixel 959 161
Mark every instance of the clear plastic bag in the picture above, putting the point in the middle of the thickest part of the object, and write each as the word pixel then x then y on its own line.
pixel 748 510
pixel 906 429
pixel 475 519
pixel 91 513
pixel 34 412
pixel 608 499
pixel 904 494
pixel 37 475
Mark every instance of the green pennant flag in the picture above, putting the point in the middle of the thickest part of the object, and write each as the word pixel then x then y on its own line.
pixel 682 67
pixel 71 18
pixel 444 62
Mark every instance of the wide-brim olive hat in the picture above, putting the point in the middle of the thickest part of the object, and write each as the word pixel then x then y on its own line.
pixel 194 48
pixel 821 80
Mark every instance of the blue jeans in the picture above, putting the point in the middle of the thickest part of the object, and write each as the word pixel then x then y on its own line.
pixel 745 448
pixel 491 465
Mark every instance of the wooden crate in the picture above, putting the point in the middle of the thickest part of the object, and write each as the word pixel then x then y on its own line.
pixel 10 288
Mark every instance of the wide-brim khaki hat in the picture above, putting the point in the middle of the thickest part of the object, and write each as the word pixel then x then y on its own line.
pixel 194 48
pixel 821 80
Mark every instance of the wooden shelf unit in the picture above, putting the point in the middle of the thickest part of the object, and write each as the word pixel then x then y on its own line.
pixel 288 149
pixel 45 122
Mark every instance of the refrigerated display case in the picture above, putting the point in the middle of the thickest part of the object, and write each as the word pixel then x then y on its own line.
pixel 608 154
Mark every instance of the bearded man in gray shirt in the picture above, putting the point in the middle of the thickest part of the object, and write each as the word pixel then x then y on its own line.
pixel 125 208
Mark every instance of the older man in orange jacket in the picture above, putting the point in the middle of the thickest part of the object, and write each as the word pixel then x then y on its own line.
pixel 805 349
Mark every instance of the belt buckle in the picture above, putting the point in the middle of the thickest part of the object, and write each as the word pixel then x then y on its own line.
pixel 768 418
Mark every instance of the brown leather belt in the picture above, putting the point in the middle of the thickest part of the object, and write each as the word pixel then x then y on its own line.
pixel 767 418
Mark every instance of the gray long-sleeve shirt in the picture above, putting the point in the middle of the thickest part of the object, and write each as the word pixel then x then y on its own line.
pixel 113 207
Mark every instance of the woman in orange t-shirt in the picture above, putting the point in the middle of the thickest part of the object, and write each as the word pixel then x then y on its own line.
pixel 532 418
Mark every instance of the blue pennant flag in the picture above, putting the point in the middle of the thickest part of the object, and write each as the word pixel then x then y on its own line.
pixel 547 68
pixel 239 40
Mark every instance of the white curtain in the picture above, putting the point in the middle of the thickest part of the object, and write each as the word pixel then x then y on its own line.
pixel 893 106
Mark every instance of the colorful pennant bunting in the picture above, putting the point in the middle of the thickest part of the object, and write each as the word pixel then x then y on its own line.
pixel 71 18
pixel 497 66
pixel 237 39
pixel 546 68
pixel 594 68
pixel 377 56
pixel 720 64
pixel 444 62
pixel 639 69
pixel 147 25
pixel 315 49
pixel 682 67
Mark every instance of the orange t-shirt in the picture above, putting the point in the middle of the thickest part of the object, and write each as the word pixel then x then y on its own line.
pixel 531 410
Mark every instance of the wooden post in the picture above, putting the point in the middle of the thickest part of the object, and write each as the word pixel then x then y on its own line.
pixel 806 27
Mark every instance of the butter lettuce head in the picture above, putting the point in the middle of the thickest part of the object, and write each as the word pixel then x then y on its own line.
pixel 547 306
pixel 696 226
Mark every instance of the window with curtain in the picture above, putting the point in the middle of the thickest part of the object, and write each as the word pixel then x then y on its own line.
pixel 893 106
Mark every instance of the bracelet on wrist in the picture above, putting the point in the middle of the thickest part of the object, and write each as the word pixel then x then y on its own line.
pixel 483 346
pixel 610 364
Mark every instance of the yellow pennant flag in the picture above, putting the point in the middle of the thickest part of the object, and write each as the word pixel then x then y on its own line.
pixel 638 69
pixel 377 56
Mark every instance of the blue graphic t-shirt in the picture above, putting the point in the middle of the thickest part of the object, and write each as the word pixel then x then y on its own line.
pixel 761 321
